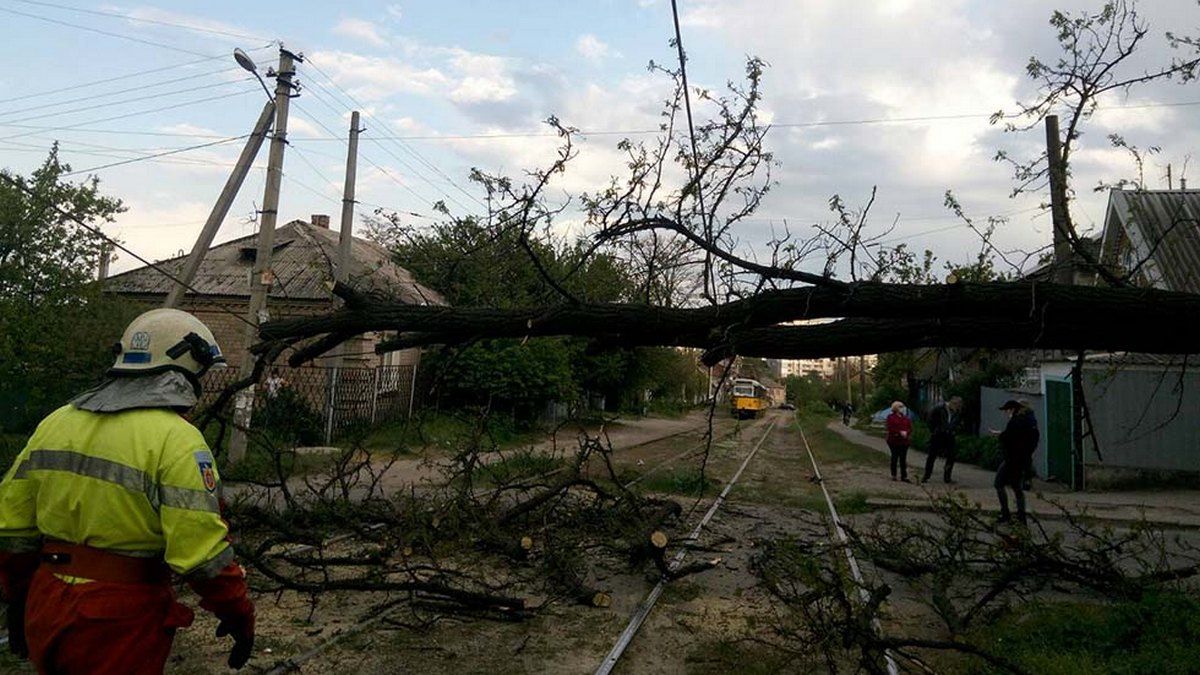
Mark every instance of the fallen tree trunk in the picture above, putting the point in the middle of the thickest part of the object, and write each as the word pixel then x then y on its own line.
pixel 877 317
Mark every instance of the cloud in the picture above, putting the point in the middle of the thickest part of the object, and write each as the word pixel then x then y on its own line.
pixel 483 78
pixel 374 78
pixel 592 48
pixel 361 30
pixel 395 12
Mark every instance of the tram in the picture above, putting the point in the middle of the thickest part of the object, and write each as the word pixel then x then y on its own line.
pixel 748 398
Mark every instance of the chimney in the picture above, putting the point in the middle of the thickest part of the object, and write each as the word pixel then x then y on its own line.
pixel 320 220
pixel 1182 183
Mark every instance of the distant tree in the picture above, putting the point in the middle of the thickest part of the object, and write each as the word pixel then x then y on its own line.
pixel 55 327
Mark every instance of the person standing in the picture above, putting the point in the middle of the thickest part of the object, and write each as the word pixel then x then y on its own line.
pixel 899 437
pixel 113 495
pixel 944 422
pixel 847 411
pixel 1018 442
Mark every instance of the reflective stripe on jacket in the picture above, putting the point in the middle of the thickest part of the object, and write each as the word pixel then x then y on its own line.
pixel 138 482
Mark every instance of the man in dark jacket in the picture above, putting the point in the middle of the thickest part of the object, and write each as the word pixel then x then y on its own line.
pixel 944 421
pixel 1018 442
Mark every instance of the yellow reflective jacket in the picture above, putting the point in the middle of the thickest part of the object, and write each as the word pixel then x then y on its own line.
pixel 138 482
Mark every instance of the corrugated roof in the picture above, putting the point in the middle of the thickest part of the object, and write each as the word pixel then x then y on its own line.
pixel 1163 226
pixel 303 261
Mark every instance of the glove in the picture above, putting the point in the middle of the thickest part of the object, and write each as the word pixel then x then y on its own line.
pixel 225 596
pixel 15 620
pixel 241 627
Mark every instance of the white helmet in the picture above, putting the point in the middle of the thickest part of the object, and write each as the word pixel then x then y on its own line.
pixel 166 339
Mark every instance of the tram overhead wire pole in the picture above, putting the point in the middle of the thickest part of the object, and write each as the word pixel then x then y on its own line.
pixel 261 278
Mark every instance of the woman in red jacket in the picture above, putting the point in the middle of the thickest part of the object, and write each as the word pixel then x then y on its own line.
pixel 899 437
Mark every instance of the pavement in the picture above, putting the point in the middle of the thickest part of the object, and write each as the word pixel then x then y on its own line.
pixel 1176 508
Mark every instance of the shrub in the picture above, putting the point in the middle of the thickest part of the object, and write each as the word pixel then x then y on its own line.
pixel 288 418
pixel 983 451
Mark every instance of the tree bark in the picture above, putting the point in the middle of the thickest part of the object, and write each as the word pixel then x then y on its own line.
pixel 878 317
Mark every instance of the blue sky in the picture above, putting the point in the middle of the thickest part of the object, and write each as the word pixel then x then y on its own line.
pixel 431 70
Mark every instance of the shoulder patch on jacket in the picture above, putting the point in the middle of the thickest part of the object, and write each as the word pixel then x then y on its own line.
pixel 204 460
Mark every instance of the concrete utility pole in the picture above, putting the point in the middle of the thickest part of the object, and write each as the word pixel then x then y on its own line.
pixel 1058 202
pixel 224 202
pixel 346 234
pixel 261 278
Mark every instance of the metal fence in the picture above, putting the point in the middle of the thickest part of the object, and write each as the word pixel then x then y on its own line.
pixel 329 399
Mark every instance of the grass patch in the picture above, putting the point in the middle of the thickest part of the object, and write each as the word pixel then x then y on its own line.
pixel 447 432
pixel 679 481
pixel 1158 634
pixel 830 446
pixel 524 465
pixel 730 656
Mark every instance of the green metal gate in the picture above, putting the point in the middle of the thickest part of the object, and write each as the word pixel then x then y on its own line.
pixel 1060 432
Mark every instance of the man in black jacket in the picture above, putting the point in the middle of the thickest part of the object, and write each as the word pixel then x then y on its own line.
pixel 1018 442
pixel 944 421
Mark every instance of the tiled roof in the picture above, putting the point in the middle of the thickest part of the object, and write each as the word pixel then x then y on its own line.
pixel 1164 226
pixel 303 260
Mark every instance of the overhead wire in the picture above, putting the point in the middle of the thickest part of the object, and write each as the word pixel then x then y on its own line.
pixel 118 92
pixel 137 19
pixel 157 155
pixel 136 99
pixel 134 114
pixel 101 31
pixel 117 244
pixel 127 76
pixel 411 151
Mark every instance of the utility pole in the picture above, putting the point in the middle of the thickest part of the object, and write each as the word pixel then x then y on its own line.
pixel 1058 202
pixel 346 234
pixel 261 278
pixel 849 395
pixel 221 208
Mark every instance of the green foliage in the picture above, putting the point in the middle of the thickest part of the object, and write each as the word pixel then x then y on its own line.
pixel 1158 634
pixel 982 451
pixel 475 265
pixel 56 329
pixel 11 445
pixel 520 466
pixel 288 418
pixel 803 390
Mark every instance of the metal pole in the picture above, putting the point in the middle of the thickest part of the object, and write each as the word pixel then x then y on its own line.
pixel 374 393
pixel 346 235
pixel 412 388
pixel 331 404
pixel 261 278
pixel 221 208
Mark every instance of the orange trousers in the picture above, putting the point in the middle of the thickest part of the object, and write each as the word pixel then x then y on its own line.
pixel 101 628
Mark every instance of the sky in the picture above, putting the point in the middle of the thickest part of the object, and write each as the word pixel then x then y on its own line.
pixel 450 85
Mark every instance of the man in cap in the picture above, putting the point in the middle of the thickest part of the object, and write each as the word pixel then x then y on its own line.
pixel 114 493
pixel 1018 442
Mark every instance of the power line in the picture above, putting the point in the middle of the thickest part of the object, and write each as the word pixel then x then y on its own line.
pixel 156 22
pixel 150 71
pixel 155 156
pixel 366 158
pixel 135 99
pixel 117 92
pixel 41 149
pixel 116 244
pixel 133 114
pixel 121 36
pixel 407 149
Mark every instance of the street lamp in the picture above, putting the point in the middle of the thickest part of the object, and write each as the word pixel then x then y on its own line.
pixel 248 64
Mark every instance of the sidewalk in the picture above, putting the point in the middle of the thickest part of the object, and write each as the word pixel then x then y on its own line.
pixel 1167 507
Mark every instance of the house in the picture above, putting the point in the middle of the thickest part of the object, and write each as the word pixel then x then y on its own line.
pixel 1141 407
pixel 367 387
pixel 303 262
pixel 1155 236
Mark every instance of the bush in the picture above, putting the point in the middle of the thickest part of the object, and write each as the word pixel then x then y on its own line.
pixel 983 451
pixel 11 445
pixel 287 418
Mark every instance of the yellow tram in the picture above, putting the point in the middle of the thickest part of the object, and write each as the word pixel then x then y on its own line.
pixel 748 398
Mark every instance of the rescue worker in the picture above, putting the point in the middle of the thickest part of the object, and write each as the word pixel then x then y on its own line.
pixel 114 492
